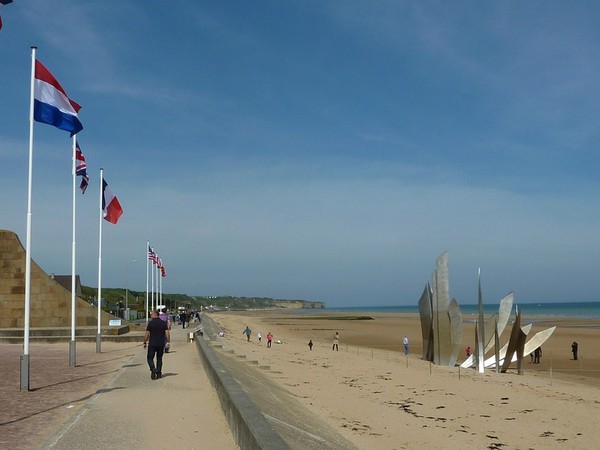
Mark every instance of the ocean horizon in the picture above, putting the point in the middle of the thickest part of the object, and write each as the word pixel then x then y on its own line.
pixel 585 310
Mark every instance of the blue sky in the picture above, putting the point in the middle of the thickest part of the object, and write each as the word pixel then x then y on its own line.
pixel 318 150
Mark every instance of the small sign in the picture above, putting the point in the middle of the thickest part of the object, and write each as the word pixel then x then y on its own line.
pixel 114 323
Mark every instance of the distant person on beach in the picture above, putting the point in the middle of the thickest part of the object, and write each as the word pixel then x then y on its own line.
pixel 336 341
pixel 156 336
pixel 248 332
pixel 310 344
pixel 537 354
pixel 259 336
pixel 405 342
pixel 574 347
pixel 269 339
pixel 468 351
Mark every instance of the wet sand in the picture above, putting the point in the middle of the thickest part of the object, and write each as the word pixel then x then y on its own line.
pixel 378 398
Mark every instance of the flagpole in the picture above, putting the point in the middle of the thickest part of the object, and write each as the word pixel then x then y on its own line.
pixel 98 336
pixel 157 284
pixel 158 287
pixel 152 271
pixel 25 355
pixel 147 276
pixel 72 344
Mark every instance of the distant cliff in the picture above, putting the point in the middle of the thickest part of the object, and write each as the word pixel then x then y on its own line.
pixel 115 298
pixel 298 304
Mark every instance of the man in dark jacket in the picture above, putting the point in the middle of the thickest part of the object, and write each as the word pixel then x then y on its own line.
pixel 156 336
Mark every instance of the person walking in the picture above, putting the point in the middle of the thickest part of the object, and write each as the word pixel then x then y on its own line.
pixel 574 347
pixel 405 342
pixel 248 332
pixel 310 344
pixel 336 341
pixel 269 339
pixel 259 336
pixel 537 353
pixel 162 315
pixel 156 336
pixel 182 318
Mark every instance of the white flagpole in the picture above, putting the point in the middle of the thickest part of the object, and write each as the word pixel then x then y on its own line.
pixel 98 337
pixel 25 355
pixel 159 283
pixel 72 349
pixel 147 277
pixel 152 270
pixel 156 269
pixel 158 287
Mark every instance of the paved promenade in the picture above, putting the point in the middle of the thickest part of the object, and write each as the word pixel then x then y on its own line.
pixel 108 401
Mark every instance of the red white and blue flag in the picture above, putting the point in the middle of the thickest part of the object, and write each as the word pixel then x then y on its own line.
pixel 151 255
pixel 81 168
pixel 4 2
pixel 111 208
pixel 51 104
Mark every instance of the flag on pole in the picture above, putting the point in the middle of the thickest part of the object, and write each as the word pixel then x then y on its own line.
pixel 51 103
pixel 151 255
pixel 4 2
pixel 163 271
pixel 81 169
pixel 110 204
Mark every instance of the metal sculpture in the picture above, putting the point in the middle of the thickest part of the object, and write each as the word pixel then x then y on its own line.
pixel 442 328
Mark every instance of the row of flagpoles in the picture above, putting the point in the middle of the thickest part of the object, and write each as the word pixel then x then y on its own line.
pixel 50 104
pixel 154 274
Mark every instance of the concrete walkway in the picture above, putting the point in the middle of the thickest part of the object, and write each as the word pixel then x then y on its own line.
pixel 180 410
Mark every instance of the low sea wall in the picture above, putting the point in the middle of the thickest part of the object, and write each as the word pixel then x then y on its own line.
pixel 249 426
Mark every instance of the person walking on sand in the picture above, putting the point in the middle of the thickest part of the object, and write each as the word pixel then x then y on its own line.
pixel 310 344
pixel 269 339
pixel 336 341
pixel 405 342
pixel 537 353
pixel 156 336
pixel 468 351
pixel 259 336
pixel 574 347
pixel 248 332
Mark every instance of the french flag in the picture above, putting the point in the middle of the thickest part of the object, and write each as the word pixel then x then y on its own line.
pixel 110 204
pixel 51 104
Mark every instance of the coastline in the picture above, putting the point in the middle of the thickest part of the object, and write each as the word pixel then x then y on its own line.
pixel 378 398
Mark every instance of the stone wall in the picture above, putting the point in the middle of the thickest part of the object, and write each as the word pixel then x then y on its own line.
pixel 50 303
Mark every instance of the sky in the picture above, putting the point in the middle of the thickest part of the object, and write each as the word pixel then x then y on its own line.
pixel 318 150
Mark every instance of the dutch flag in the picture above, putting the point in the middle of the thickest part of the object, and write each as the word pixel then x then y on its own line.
pixel 51 103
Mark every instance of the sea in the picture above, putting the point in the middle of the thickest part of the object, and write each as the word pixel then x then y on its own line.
pixel 583 310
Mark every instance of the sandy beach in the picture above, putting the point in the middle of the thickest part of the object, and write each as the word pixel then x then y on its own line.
pixel 378 398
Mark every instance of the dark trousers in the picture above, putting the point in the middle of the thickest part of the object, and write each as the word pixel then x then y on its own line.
pixel 158 351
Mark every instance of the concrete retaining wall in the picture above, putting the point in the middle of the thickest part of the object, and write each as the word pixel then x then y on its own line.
pixel 249 426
